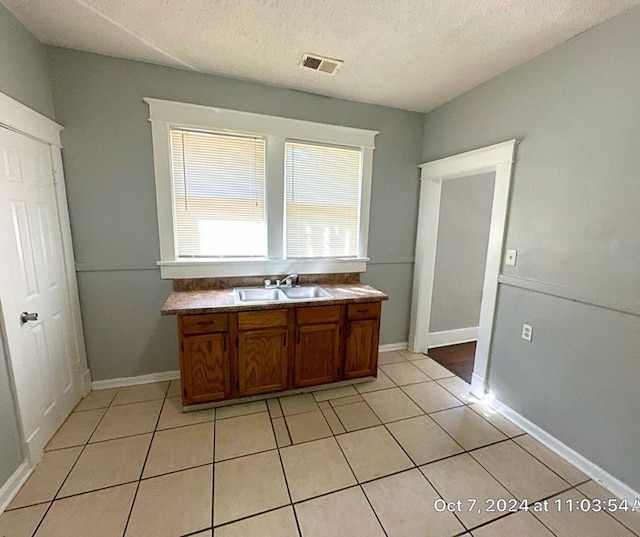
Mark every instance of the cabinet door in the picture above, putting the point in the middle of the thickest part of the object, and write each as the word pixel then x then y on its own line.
pixel 204 364
pixel 317 354
pixel 262 361
pixel 362 349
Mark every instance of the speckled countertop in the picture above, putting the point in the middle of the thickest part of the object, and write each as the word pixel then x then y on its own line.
pixel 223 300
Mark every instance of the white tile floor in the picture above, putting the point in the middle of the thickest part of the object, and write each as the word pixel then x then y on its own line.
pixel 370 460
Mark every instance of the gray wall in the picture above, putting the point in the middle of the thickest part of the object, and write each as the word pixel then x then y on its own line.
pixel 574 217
pixel 461 252
pixel 109 170
pixel 23 66
pixel 24 77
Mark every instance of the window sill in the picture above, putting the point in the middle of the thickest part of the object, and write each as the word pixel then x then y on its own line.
pixel 207 268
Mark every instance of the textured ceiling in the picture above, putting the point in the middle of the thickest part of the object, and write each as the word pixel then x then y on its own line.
pixel 411 54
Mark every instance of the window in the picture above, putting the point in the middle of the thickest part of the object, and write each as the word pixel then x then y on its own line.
pixel 322 186
pixel 218 194
pixel 243 194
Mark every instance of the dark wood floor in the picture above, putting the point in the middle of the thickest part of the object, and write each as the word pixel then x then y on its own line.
pixel 456 358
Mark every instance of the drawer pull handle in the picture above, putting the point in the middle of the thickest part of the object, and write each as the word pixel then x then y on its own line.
pixel 205 323
pixel 365 310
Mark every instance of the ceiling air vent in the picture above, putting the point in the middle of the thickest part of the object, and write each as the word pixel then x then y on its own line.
pixel 320 63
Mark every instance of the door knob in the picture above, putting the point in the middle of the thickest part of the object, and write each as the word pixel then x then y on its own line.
pixel 26 317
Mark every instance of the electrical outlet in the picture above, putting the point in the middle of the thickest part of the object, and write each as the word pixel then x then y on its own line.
pixel 527 332
pixel 511 258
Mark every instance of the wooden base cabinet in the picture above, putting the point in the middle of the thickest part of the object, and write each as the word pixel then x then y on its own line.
pixel 317 354
pixel 263 356
pixel 204 358
pixel 363 329
pixel 231 355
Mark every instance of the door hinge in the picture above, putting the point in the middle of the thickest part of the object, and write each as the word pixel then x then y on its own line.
pixel 55 176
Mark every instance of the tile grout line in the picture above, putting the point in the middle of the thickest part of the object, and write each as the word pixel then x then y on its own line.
pixel 359 485
pixel 604 510
pixel 284 473
pixel 434 412
pixel 153 434
pixel 519 446
pixel 286 424
pixel 332 408
pixel 541 461
pixel 373 510
pixel 433 486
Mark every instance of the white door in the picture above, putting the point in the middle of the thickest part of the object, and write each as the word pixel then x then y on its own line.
pixel 32 281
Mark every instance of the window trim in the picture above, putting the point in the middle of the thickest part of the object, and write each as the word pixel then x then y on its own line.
pixel 165 115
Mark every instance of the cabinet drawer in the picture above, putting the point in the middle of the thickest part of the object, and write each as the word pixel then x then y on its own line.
pixel 251 320
pixel 204 324
pixel 370 310
pixel 318 314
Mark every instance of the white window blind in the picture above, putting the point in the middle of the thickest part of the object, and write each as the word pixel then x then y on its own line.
pixel 219 194
pixel 322 186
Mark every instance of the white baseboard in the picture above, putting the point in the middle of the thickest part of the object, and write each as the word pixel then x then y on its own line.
pixel 393 347
pixel 132 381
pixel 612 484
pixel 478 386
pixel 453 337
pixel 13 484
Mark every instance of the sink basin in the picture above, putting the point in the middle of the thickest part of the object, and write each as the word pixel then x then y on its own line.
pixel 259 294
pixel 282 294
pixel 305 291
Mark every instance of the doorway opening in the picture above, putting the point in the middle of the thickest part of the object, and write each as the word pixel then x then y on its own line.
pixel 461 256
pixel 496 159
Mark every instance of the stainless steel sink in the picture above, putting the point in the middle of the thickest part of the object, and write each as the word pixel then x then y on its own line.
pixel 258 294
pixel 305 291
pixel 281 294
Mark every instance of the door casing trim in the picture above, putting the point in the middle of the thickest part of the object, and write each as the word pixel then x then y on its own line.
pixel 496 158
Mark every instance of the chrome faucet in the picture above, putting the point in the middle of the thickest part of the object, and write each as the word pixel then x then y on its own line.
pixel 292 280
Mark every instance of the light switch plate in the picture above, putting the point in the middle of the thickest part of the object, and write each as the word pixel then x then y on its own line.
pixel 511 258
pixel 527 332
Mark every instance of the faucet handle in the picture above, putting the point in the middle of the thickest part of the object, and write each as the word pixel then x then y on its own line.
pixel 267 283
